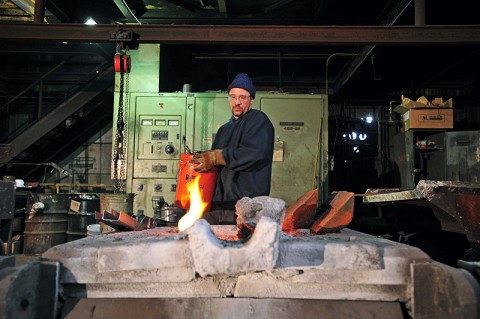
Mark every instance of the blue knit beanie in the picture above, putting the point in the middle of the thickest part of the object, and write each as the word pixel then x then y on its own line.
pixel 243 81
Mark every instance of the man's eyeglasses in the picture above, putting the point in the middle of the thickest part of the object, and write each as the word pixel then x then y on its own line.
pixel 241 98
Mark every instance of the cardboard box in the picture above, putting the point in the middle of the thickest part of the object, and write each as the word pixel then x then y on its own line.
pixel 423 114
pixel 428 118
pixel 422 102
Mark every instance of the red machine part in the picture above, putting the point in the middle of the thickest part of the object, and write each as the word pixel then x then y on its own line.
pixel 126 63
pixel 122 63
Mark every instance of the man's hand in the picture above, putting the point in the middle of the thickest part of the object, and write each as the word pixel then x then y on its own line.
pixel 207 160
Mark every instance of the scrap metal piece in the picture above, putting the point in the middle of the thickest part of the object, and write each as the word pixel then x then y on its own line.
pixel 119 220
pixel 338 215
pixel 335 214
pixel 146 222
pixel 301 213
pixel 389 195
pixel 455 204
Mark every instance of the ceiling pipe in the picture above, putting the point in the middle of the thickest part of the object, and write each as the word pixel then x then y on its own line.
pixel 327 63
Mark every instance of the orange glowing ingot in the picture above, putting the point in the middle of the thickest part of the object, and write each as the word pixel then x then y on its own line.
pixel 197 206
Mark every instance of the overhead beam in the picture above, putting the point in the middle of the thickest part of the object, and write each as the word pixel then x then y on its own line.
pixel 243 34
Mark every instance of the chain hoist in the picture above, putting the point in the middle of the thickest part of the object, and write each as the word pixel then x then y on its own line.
pixel 122 65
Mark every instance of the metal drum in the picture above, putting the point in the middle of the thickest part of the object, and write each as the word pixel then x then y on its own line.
pixel 81 214
pixel 47 227
pixel 117 202
pixel 122 202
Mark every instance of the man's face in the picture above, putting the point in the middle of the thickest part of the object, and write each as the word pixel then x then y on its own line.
pixel 240 101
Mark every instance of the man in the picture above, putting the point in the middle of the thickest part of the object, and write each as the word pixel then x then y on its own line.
pixel 243 148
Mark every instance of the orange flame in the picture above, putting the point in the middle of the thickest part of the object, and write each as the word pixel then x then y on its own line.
pixel 197 206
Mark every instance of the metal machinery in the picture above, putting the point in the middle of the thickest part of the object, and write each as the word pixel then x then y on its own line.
pixel 452 156
pixel 160 126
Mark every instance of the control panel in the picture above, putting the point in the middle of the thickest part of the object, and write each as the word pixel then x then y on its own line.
pixel 159 137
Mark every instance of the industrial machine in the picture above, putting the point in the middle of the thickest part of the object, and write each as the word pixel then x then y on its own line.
pixel 161 126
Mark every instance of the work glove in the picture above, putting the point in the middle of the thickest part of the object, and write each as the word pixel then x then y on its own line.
pixel 207 160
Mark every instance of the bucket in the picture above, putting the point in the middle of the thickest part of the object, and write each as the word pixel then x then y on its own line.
pixel 81 214
pixel 171 214
pixel 93 230
pixel 117 202
pixel 186 174
pixel 47 228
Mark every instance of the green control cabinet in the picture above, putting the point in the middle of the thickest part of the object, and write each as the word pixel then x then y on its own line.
pixel 161 126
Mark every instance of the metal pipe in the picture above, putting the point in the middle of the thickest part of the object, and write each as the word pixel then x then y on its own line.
pixel 327 63
pixel 322 192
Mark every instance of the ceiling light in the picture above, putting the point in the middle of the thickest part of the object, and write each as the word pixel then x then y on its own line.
pixel 90 21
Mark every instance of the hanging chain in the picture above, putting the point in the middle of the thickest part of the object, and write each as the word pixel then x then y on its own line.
pixel 123 163
pixel 126 101
pixel 119 146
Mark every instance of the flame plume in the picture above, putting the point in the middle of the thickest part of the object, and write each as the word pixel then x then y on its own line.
pixel 197 206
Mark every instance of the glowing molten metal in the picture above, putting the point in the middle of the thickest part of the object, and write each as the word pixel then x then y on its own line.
pixel 197 206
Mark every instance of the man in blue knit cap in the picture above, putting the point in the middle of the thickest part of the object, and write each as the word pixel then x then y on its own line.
pixel 243 148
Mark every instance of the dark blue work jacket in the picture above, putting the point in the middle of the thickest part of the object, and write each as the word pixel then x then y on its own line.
pixel 247 145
